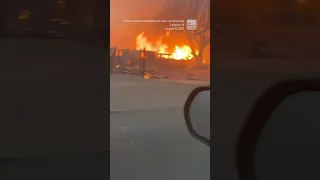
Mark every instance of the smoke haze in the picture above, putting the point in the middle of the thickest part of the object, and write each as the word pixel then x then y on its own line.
pixel 123 34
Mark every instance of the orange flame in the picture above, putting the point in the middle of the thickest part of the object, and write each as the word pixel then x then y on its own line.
pixel 179 53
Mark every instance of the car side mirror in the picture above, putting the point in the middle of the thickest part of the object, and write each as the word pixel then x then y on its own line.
pixel 197 114
pixel 280 138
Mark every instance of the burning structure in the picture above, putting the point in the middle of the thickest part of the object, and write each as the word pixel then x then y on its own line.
pixel 152 57
pixel 178 53
pixel 178 57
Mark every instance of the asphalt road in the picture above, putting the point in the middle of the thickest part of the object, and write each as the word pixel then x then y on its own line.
pixel 146 144
pixel 130 92
pixel 155 144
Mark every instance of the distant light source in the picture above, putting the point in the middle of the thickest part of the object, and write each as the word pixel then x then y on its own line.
pixel 25 14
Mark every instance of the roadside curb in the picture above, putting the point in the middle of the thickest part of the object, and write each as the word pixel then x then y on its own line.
pixel 144 109
pixel 187 82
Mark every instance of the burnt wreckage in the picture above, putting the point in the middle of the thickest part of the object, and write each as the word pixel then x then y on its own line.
pixel 144 63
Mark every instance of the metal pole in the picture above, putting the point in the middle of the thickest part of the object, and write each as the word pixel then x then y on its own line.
pixel 144 61
pixel 140 62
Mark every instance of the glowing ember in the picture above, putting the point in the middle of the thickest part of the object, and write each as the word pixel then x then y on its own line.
pixel 179 53
pixel 147 76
